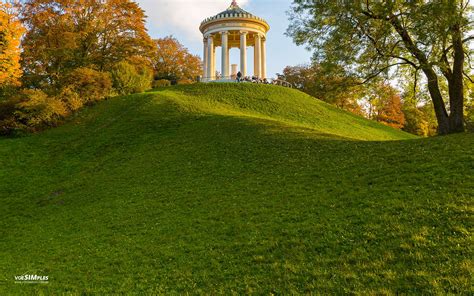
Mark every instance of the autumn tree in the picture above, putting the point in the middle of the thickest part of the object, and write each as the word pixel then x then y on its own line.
pixel 64 35
pixel 329 85
pixel 172 61
pixel 390 111
pixel 10 34
pixel 371 37
pixel 383 103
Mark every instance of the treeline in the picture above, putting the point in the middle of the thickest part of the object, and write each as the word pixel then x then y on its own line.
pixel 420 42
pixel 58 55
pixel 407 107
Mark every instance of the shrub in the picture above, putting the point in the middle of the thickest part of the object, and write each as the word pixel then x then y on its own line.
pixel 70 98
pixel 36 110
pixel 128 79
pixel 7 92
pixel 161 83
pixel 7 107
pixel 32 110
pixel 89 84
pixel 144 69
pixel 9 125
pixel 144 79
pixel 8 121
pixel 185 81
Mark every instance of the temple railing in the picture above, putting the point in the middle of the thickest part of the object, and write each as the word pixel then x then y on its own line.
pixel 233 78
pixel 282 83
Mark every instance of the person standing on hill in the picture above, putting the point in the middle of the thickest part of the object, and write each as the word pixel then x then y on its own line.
pixel 239 76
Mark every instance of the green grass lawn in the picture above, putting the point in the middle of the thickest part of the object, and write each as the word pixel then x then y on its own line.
pixel 234 189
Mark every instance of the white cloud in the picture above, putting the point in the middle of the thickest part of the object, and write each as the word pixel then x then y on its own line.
pixel 183 17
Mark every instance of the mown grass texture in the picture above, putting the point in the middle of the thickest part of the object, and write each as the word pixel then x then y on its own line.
pixel 234 189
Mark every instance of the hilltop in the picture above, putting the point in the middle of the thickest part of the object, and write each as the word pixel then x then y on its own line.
pixel 221 188
pixel 275 105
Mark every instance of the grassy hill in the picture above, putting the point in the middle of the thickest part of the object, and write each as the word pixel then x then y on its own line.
pixel 220 189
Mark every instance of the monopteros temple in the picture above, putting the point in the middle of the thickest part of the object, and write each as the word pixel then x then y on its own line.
pixel 232 28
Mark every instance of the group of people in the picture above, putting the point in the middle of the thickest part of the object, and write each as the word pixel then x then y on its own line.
pixel 253 79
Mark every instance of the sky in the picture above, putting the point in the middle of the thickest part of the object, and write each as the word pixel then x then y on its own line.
pixel 181 18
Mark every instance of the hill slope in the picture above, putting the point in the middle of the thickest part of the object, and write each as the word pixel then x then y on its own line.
pixel 213 189
pixel 277 104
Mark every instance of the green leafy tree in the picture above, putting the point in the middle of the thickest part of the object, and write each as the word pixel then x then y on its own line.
pixel 470 107
pixel 419 114
pixel 419 120
pixel 370 37
pixel 333 86
pixel 129 79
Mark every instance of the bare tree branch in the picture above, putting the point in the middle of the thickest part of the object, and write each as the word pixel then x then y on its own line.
pixel 463 41
pixel 469 59
pixel 415 85
pixel 390 54
pixel 465 6
pixel 467 76
pixel 377 73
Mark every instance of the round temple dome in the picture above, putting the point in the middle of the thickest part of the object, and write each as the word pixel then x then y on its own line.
pixel 234 12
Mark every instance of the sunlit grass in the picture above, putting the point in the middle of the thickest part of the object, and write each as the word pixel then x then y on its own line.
pixel 221 189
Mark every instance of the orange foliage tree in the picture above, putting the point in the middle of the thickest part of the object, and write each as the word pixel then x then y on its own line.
pixel 64 35
pixel 391 112
pixel 11 31
pixel 385 105
pixel 172 61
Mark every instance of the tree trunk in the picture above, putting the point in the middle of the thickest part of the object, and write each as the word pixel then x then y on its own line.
pixel 438 103
pixel 456 85
pixel 446 123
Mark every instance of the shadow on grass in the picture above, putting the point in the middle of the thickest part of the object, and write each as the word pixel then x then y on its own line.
pixel 142 196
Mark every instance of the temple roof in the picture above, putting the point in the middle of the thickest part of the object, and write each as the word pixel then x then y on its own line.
pixel 233 11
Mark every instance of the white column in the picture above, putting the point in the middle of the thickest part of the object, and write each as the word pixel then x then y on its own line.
pixel 243 53
pixel 225 53
pixel 257 64
pixel 204 61
pixel 228 61
pixel 210 57
pixel 213 75
pixel 263 69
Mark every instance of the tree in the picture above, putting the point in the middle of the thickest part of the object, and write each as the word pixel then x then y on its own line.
pixel 10 34
pixel 390 111
pixel 128 79
pixel 370 37
pixel 419 120
pixel 470 108
pixel 383 104
pixel 172 61
pixel 63 35
pixel 90 85
pixel 329 85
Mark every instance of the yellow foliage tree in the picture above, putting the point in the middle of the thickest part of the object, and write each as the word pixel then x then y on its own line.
pixel 174 62
pixel 11 31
